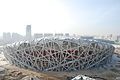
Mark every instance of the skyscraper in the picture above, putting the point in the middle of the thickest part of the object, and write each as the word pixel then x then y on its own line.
pixel 7 37
pixel 28 32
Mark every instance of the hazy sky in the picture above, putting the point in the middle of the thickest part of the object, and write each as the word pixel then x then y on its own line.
pixel 61 16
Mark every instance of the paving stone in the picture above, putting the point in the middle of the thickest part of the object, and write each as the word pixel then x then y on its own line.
pixel 2 73
pixel 2 70
pixel 30 78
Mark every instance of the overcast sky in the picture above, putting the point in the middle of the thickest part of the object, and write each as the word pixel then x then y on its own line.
pixel 93 17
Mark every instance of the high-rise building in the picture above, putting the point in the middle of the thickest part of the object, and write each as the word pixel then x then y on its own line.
pixel 87 37
pixel 28 32
pixel 6 36
pixel 67 34
pixel 16 37
pixel 58 34
pixel 118 38
pixel 38 35
pixel 48 34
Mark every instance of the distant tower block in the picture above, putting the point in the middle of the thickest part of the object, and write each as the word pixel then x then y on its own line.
pixel 28 32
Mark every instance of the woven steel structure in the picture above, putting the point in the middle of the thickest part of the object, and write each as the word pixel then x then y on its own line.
pixel 59 54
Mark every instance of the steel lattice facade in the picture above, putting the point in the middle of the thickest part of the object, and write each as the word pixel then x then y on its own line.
pixel 59 54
